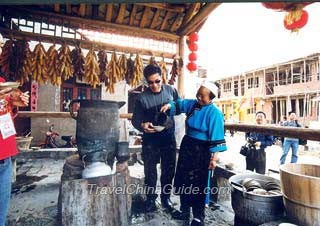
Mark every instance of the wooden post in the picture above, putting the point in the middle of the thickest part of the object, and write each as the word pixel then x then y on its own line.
pixel 98 201
pixel 181 74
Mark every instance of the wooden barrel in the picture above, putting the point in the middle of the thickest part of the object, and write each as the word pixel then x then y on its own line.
pixel 300 184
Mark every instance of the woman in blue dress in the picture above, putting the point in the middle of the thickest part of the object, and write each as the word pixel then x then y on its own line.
pixel 199 149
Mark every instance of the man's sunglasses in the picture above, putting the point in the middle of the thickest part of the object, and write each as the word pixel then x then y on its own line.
pixel 153 82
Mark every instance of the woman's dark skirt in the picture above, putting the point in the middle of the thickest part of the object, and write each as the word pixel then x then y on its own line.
pixel 192 170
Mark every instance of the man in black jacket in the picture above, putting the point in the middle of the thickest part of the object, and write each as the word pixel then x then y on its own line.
pixel 156 145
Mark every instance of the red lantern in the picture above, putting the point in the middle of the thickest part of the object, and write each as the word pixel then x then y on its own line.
pixel 285 6
pixel 279 6
pixel 193 56
pixel 192 66
pixel 193 46
pixel 193 37
pixel 294 20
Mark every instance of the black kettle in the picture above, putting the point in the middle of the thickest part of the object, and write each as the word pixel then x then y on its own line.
pixel 162 119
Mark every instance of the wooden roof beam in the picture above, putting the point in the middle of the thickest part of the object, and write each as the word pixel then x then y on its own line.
pixel 84 23
pixel 102 10
pixel 121 13
pixel 133 14
pixel 109 12
pixel 82 10
pixel 89 10
pixel 68 8
pixel 164 6
pixel 165 20
pixel 175 23
pixel 198 20
pixel 57 8
pixel 86 44
pixel 145 17
pixel 155 19
pixel 190 13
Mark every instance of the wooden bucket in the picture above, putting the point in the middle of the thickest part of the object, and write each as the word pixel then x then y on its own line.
pixel 300 184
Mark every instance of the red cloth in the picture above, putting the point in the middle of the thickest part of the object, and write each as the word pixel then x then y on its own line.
pixel 8 146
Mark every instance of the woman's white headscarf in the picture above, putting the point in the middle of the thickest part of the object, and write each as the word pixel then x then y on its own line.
pixel 211 86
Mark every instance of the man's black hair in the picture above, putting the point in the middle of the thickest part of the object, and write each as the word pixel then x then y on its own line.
pixel 291 112
pixel 261 112
pixel 151 69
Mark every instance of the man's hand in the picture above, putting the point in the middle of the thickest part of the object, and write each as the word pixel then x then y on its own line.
pixel 148 127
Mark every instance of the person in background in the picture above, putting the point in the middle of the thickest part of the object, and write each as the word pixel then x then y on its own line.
pixel 199 149
pixel 8 148
pixel 156 146
pixel 258 161
pixel 232 120
pixel 290 142
pixel 284 119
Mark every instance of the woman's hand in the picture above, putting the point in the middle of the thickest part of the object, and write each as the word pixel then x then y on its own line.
pixel 213 160
pixel 148 127
pixel 165 107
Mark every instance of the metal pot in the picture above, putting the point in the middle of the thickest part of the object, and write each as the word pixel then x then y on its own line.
pixel 122 153
pixel 252 208
pixel 98 129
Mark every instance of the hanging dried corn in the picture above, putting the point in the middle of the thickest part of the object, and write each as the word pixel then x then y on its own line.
pixel 138 71
pixel 164 71
pixel 6 58
pixel 122 64
pixel 174 71
pixel 152 60
pixel 16 60
pixel 92 70
pixel 25 72
pixel 65 65
pixel 53 61
pixel 78 62
pixel 113 72
pixel 103 62
pixel 39 65
pixel 130 70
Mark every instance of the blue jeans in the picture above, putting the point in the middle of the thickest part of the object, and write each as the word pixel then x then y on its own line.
pixel 294 145
pixel 5 188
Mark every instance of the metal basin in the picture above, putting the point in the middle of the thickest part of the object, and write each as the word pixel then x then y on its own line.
pixel 253 208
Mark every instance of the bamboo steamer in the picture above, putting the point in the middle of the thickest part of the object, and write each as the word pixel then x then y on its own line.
pixel 300 184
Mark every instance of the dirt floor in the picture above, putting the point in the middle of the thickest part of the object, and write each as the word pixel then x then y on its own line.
pixel 35 194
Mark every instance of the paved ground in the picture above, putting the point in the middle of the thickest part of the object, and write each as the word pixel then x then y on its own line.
pixel 34 202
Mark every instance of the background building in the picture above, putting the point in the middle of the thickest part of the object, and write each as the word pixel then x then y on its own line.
pixel 276 90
